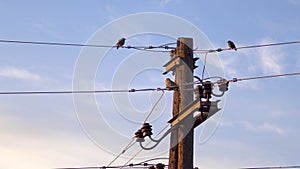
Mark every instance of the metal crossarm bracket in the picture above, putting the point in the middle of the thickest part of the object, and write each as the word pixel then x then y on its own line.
pixel 172 64
pixel 191 108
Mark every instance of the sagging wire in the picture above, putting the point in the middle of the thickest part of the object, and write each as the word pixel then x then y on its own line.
pixel 80 91
pixel 204 65
pixel 144 48
pixel 132 141
pixel 264 77
pixel 129 145
pixel 278 167
pixel 138 152
pixel 154 106
pixel 203 51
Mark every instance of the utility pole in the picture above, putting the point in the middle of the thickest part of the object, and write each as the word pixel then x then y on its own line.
pixel 182 138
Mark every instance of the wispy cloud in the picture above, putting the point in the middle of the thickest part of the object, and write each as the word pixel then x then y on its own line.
pixel 16 73
pixel 241 64
pixel 254 62
pixel 259 128
pixel 164 3
pixel 271 59
pixel 267 127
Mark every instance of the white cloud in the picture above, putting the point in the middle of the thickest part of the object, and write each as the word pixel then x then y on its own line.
pixel 32 143
pixel 260 128
pixel 254 62
pixel 16 73
pixel 266 60
pixel 241 64
pixel 267 127
pixel 271 59
pixel 48 152
pixel 163 3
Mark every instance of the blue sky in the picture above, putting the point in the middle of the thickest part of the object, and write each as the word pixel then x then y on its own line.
pixel 259 123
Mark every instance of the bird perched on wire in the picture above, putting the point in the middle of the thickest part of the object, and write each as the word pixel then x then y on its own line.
pixel 120 42
pixel 231 45
pixel 170 85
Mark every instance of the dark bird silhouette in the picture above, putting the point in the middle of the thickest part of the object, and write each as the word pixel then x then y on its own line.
pixel 120 43
pixel 231 45
pixel 170 85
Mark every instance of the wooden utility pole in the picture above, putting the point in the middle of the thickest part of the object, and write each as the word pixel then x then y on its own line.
pixel 182 138
pixel 173 152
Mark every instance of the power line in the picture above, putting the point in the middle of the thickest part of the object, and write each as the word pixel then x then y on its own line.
pixel 144 48
pixel 246 47
pixel 80 91
pixel 204 65
pixel 129 145
pixel 159 99
pixel 143 163
pixel 272 167
pixel 152 159
pixel 137 90
pixel 270 44
pixel 138 152
pixel 55 43
pixel 132 141
pixel 264 77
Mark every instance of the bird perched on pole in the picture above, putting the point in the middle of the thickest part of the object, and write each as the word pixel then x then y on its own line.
pixel 120 43
pixel 170 85
pixel 231 45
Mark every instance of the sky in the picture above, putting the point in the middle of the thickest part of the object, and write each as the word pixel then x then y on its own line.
pixel 257 125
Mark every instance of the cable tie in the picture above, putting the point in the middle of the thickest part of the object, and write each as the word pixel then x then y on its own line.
pixel 132 90
pixel 219 50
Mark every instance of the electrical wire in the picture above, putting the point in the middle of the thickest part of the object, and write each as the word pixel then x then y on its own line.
pixel 138 152
pixel 129 145
pixel 132 143
pixel 138 90
pixel 204 65
pixel 246 47
pixel 153 159
pixel 137 165
pixel 80 91
pixel 144 48
pixel 154 106
pixel 272 167
pixel 264 77
pixel 55 43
